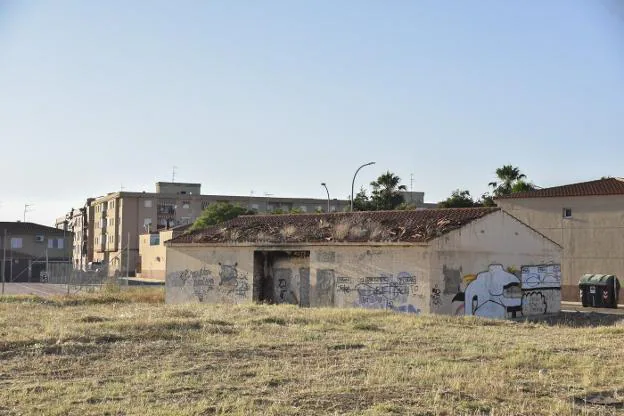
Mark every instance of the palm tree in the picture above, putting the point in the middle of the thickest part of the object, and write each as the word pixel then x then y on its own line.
pixel 387 191
pixel 510 180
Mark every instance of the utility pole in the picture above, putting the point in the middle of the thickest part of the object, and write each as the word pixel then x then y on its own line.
pixel 128 257
pixel 173 172
pixel 4 240
pixel 267 195
pixel 411 187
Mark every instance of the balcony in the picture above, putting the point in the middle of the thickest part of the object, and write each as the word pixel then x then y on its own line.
pixel 166 210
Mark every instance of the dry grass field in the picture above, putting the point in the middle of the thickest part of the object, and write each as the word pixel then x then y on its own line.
pixel 126 353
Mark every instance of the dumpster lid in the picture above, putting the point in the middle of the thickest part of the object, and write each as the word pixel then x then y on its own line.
pixel 597 279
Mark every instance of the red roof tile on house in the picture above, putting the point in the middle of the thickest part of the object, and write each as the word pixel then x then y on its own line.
pixel 608 186
pixel 370 226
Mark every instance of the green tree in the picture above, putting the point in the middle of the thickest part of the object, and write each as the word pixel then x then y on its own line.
pixel 459 199
pixel 510 180
pixel 386 194
pixel 362 202
pixel 487 200
pixel 218 213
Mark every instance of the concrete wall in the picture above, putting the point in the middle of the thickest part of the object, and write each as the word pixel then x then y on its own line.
pixel 209 274
pixel 486 259
pixel 592 238
pixel 505 268
pixel 154 257
pixel 369 276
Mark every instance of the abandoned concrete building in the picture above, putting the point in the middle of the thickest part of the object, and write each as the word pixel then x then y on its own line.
pixel 475 261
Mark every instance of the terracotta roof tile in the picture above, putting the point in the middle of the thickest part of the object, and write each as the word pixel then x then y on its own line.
pixel 371 226
pixel 608 186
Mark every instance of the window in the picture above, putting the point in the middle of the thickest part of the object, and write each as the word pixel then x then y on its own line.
pixel 255 207
pixel 147 221
pixel 567 213
pixel 55 243
pixel 303 208
pixel 147 203
pixel 16 242
pixel 111 222
pixel 186 204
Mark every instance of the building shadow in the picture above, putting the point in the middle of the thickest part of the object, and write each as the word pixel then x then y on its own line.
pixel 578 319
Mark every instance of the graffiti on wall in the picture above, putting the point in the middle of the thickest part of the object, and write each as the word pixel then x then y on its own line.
pixel 501 293
pixel 325 287
pixel 542 276
pixel 232 282
pixel 541 287
pixel 387 291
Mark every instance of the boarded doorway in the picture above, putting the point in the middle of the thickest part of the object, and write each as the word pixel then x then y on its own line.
pixel 282 277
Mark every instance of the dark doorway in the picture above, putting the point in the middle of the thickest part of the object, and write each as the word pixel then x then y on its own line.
pixel 282 277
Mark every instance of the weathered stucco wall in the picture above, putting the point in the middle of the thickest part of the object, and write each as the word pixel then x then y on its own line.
pixel 505 264
pixel 375 277
pixel 592 237
pixel 209 274
pixel 495 267
pixel 153 257
pixel 378 277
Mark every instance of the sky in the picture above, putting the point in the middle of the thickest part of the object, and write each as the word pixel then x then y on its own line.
pixel 277 96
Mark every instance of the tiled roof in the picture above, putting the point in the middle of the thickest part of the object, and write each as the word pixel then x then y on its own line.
pixel 371 226
pixel 608 186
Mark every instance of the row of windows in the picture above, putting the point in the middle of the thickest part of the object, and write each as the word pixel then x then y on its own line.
pixel 105 205
pixel 18 242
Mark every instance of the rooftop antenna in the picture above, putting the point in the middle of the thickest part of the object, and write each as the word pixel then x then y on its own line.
pixel 411 187
pixel 173 172
pixel 121 187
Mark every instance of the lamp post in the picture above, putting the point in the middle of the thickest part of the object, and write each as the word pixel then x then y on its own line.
pixel 353 182
pixel 323 184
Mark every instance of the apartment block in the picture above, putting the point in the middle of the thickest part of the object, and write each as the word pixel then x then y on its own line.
pixel 116 221
pixel 119 218
pixel 79 221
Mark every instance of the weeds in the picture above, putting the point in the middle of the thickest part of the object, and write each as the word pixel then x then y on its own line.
pixel 124 352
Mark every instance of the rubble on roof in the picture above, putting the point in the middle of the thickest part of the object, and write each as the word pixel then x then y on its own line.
pixel 357 227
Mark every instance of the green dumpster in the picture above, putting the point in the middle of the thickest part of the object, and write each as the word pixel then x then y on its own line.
pixel 599 290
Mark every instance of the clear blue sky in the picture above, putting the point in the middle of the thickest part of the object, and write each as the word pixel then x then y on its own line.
pixel 279 96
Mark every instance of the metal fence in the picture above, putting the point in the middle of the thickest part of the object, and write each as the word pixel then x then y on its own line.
pixel 63 273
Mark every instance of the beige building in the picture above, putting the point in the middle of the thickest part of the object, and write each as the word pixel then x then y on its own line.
pixel 119 218
pixel 79 222
pixel 475 261
pixel 28 249
pixel 153 252
pixel 587 219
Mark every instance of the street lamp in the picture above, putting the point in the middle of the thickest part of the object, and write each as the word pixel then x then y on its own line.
pixel 325 186
pixel 353 182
